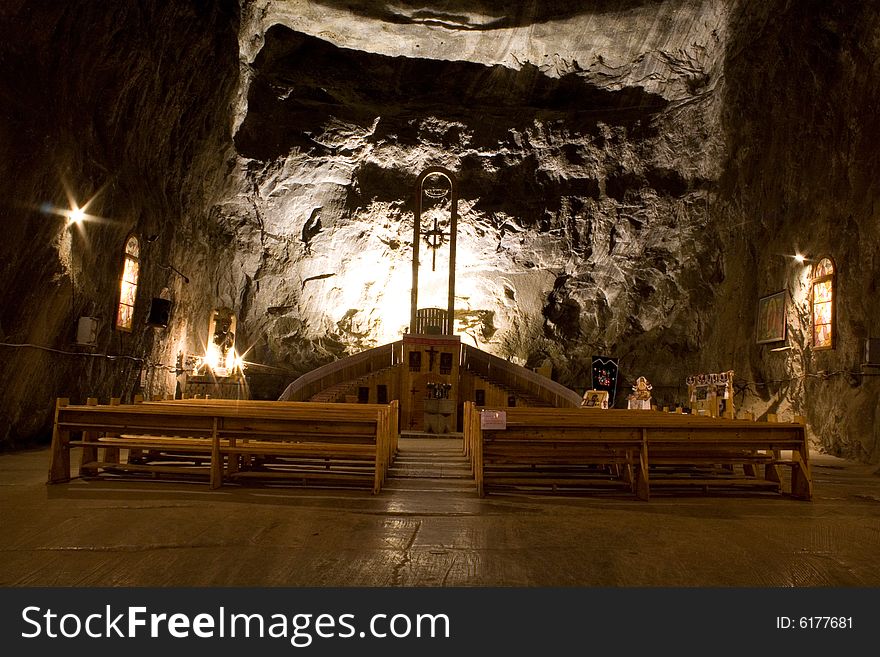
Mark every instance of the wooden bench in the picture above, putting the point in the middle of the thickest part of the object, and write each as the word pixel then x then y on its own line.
pixel 226 440
pixel 559 449
pixel 552 453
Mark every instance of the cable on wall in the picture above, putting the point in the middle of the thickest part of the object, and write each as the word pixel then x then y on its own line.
pixel 136 359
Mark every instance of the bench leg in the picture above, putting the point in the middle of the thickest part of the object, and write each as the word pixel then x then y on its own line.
pixel 111 454
pixel 87 467
pixel 216 460
pixel 89 453
pixel 643 486
pixel 232 460
pixel 627 472
pixel 801 480
pixel 59 469
pixel 59 466
pixel 771 470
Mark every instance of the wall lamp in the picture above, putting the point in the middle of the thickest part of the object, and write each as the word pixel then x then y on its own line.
pixel 176 271
pixel 76 215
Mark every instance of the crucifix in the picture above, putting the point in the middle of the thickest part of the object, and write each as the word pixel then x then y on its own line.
pixel 431 353
pixel 434 237
pixel 436 195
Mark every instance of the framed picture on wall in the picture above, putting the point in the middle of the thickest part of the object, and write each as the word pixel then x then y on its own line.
pixel 770 326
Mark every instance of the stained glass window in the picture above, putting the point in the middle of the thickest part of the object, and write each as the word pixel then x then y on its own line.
pixel 823 304
pixel 128 285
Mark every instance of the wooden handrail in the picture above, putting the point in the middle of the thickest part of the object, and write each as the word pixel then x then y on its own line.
pixel 516 377
pixel 345 369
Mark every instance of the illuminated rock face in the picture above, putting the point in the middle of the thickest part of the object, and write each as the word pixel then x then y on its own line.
pixel 584 183
pixel 630 173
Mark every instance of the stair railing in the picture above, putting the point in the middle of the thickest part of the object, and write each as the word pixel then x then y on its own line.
pixel 345 369
pixel 518 378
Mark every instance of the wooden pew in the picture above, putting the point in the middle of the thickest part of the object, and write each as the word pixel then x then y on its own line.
pixel 551 447
pixel 699 455
pixel 264 455
pixel 224 440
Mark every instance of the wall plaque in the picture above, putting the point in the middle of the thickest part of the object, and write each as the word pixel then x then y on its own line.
pixel 493 419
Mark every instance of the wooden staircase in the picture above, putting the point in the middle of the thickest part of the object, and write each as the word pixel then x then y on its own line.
pixel 338 391
pixel 527 398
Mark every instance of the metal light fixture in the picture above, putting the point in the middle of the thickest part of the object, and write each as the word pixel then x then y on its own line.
pixel 176 271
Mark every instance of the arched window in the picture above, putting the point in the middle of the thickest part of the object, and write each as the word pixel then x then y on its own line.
pixel 822 300
pixel 128 285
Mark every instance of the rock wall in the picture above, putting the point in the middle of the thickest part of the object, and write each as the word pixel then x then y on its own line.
pixel 632 176
pixel 586 168
pixel 125 107
pixel 801 91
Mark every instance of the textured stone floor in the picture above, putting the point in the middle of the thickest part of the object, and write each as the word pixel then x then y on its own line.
pixel 128 533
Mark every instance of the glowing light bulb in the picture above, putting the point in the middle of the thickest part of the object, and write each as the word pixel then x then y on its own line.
pixel 77 215
pixel 799 258
pixel 212 356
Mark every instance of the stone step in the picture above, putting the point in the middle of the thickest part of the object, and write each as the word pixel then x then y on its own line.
pixel 430 484
pixel 430 464
pixel 415 463
pixel 428 473
pixel 407 457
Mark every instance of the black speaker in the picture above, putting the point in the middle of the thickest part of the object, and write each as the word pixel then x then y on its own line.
pixel 160 312
pixel 872 352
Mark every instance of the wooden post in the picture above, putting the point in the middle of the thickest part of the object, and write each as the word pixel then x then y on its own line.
pixel 380 453
pixel 216 459
pixel 643 485
pixel 771 470
pixel 750 469
pixel 628 475
pixel 233 459
pixel 801 477
pixel 465 421
pixel 386 414
pixel 87 465
pixel 135 455
pixel 395 427
pixel 386 440
pixel 729 411
pixel 477 446
pixel 111 454
pixel 59 466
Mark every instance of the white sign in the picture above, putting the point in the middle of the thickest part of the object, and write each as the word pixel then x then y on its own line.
pixel 493 419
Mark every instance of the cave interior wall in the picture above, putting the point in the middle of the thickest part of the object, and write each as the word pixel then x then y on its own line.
pixel 632 179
